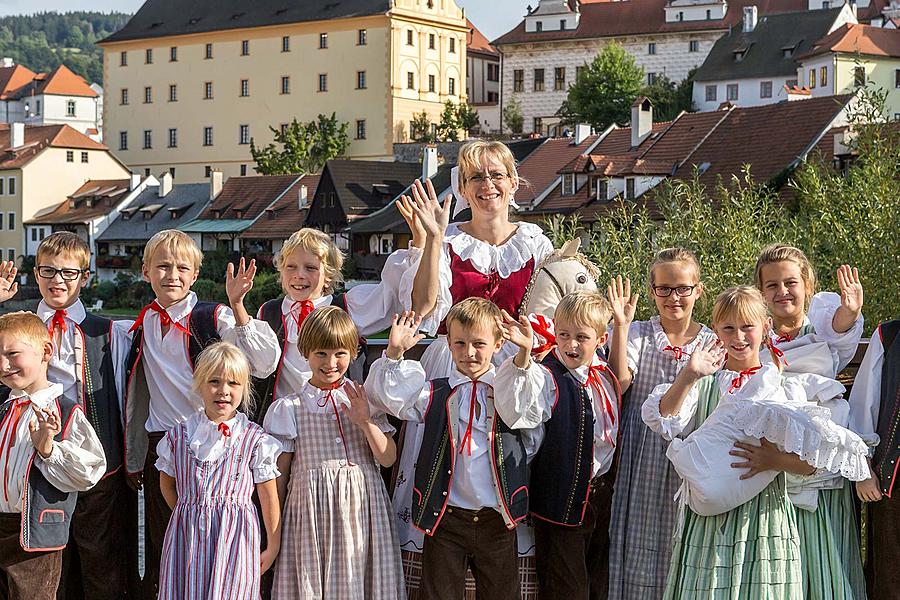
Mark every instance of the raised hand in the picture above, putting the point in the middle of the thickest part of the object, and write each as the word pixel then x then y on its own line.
pixel 624 304
pixel 851 288
pixel 433 217
pixel 405 206
pixel 706 360
pixel 358 412
pixel 238 285
pixel 403 334
pixel 8 284
pixel 518 331
pixel 43 428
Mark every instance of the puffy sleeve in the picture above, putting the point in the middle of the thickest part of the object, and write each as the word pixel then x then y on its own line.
pixel 256 339
pixel 372 305
pixel 120 347
pixel 633 348
pixel 524 398
pixel 430 323
pixel 77 463
pixel 865 397
pixel 263 459
pixel 166 452
pixel 398 388
pixel 671 426
pixel 281 422
pixel 381 421
pixel 821 313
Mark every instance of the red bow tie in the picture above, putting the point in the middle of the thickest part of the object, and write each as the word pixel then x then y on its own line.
pixel 300 310
pixel 594 381
pixel 225 429
pixel 784 337
pixel 678 352
pixel 164 319
pixel 58 322
pixel 9 435
pixel 738 381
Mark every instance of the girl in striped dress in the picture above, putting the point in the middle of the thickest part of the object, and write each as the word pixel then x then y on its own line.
pixel 818 333
pixel 644 354
pixel 208 467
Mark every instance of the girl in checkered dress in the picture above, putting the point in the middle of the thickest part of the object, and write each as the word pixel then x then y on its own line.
pixel 339 539
pixel 209 466
pixel 644 354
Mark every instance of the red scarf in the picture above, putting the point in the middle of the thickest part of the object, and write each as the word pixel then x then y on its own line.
pixel 58 322
pixel 305 308
pixel 738 381
pixel 9 436
pixel 164 319
pixel 678 352
pixel 594 381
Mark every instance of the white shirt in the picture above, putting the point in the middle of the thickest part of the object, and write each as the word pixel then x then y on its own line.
pixel 865 397
pixel 75 465
pixel 524 398
pixel 167 365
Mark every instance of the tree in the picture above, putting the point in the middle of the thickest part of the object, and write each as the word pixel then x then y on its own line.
pixel 448 128
pixel 420 128
pixel 512 115
pixel 668 98
pixel 603 93
pixel 467 117
pixel 305 147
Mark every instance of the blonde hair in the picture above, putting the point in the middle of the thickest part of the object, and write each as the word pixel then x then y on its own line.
pixel 230 359
pixel 178 243
pixel 475 312
pixel 319 245
pixel 65 243
pixel 585 308
pixel 471 155
pixel 775 253
pixel 26 326
pixel 670 255
pixel 328 328
pixel 746 304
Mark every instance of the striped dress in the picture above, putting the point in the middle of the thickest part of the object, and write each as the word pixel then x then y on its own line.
pixel 211 549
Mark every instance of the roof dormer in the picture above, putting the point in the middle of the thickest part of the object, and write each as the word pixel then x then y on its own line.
pixel 695 10
pixel 552 15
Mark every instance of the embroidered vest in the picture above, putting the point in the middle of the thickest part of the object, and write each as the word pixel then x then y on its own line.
pixel 46 511
pixel 434 467
pixel 887 453
pixel 203 331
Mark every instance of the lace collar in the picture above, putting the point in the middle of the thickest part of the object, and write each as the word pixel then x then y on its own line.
pixel 679 353
pixel 509 257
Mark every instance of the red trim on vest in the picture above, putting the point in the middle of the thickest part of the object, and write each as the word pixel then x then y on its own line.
pixel 452 464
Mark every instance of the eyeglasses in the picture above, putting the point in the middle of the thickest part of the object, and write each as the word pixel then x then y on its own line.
pixel 479 178
pixel 682 291
pixel 66 274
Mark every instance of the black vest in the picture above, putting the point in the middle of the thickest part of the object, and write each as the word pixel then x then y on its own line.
pixel 201 324
pixel 561 470
pixel 265 388
pixel 434 467
pixel 46 511
pixel 887 453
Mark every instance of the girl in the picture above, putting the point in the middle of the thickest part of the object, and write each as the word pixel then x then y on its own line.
pixel 208 467
pixel 819 333
pixel 339 538
pixel 753 549
pixel 643 355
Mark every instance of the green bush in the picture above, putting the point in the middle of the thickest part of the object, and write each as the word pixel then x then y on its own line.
pixel 210 291
pixel 266 286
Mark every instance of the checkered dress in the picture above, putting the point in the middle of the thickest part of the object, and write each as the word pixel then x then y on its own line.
pixel 643 509
pixel 338 539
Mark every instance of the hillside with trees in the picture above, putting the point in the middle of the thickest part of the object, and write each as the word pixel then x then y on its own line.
pixel 44 40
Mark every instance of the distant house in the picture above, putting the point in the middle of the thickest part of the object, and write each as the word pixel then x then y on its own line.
pixel 483 79
pixel 280 219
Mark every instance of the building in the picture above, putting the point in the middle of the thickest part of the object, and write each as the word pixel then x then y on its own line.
pixel 38 166
pixel 853 56
pixel 281 219
pixel 541 56
pixel 757 63
pixel 483 79
pixel 191 85
pixel 57 98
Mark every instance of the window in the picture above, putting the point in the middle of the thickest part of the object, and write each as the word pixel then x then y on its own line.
pixel 323 82
pixel 539 80
pixel 123 59
pixel 148 56
pixel 539 26
pixel 70 156
pixel 361 129
pixel 173 54
pixel 518 80
pixel 765 89
pixel 812 79
pixel 148 95
pixel 12 186
pixel 323 41
pixel 283 128
pixel 123 96
pixel 537 125
pixel 601 189
pixel 562 24
pixel 826 4
pixel 208 52
pixel 681 16
pixel 148 139
pixel 651 78
pixel 207 90
pixel 11 253
pixel 790 83
pixel 11 224
pixel 286 43
pixel 410 80
pixel 285 85
pixel 208 171
pixel 731 91
pixel 694 46
pixel 1 220
pixel 568 184
pixel 823 76
pixel 559 78
pixel 37 107
pixel 897 78
pixel 147 172
pixel 859 76
pixel 787 52
pixel 245 48
pixel 173 138
pixel 173 93
pixel 579 71
pixel 123 140
pixel 493 97
pixel 451 86
pixel 651 48
pixel 84 157
pixel 70 108
pixel 245 88
pixel 493 72
pixel 431 83
pixel 452 45
pixel 244 134
pixel 431 41
pixel 243 170
pixel 362 37
pixel 360 80
pixel 629 188
pixel 409 37
pixel 207 136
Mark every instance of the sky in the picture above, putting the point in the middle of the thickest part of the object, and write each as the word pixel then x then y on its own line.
pixel 492 17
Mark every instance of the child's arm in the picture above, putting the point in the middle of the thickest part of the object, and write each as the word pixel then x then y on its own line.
pixel 624 305
pixel 255 338
pixel 767 457
pixel 8 284
pixel 284 467
pixel 704 361
pixel 270 507
pixel 851 299
pixel 168 489
pixel 383 447
pixel 237 286
pixel 434 218
pixel 524 391
pixel 76 463
pixel 395 386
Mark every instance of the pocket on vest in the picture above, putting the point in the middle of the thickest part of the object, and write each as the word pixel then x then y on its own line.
pixel 51 515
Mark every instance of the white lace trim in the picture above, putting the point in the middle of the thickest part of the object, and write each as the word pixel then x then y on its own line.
pixel 526 243
pixel 662 340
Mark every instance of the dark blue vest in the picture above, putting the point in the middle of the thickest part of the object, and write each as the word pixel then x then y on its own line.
pixel 887 453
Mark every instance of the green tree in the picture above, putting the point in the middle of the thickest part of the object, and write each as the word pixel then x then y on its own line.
pixel 669 99
pixel 448 127
pixel 420 128
pixel 512 115
pixel 467 117
pixel 304 147
pixel 603 93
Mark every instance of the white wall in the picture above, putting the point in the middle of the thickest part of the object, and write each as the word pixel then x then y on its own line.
pixel 748 92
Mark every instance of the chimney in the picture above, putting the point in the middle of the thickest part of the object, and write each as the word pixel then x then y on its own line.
pixel 7 62
pixel 304 196
pixel 750 18
pixel 135 181
pixel 165 185
pixel 429 162
pixel 17 135
pixel 641 120
pixel 215 183
pixel 582 131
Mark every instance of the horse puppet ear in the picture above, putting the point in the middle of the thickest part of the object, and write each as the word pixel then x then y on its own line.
pixel 570 248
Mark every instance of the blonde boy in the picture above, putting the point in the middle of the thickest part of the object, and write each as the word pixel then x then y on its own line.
pixel 575 398
pixel 50 453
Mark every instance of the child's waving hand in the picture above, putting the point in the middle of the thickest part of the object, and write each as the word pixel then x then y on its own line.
pixel 518 331
pixel 624 304
pixel 359 404
pixel 706 360
pixel 403 334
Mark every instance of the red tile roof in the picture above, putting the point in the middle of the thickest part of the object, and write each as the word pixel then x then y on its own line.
pixel 12 78
pixel 37 138
pixel 95 198
pixel 477 43
pixel 247 197
pixel 858 39
pixel 540 168
pixel 284 217
pixel 60 82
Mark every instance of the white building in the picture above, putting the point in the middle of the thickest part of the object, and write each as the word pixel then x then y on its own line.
pixel 483 79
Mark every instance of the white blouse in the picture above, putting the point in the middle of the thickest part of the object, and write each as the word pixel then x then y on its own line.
pixel 660 342
pixel 865 397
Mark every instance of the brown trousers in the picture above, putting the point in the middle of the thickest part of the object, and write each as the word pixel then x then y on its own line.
pixel 157 515
pixel 479 540
pixel 25 575
pixel 883 549
pixel 573 562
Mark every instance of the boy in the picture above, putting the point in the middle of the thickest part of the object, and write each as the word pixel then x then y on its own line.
pixel 576 398
pixel 168 335
pixel 472 476
pixel 49 453
pixel 874 406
